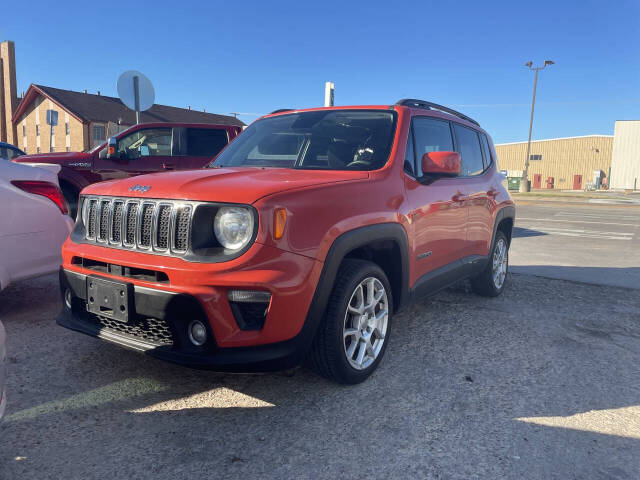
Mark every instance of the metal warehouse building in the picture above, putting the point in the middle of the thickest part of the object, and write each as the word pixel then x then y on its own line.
pixel 570 163
pixel 625 163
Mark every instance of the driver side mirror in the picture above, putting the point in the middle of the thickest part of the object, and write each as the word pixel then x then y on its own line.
pixel 112 147
pixel 441 164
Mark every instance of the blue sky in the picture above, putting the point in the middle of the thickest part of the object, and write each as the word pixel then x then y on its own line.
pixel 254 57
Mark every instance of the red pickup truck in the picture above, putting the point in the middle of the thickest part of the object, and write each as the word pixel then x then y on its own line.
pixel 143 148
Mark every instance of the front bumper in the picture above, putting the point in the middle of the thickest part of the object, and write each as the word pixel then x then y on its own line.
pixel 159 325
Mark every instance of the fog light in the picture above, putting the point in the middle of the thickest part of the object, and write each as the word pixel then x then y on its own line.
pixel 248 296
pixel 197 332
pixel 67 298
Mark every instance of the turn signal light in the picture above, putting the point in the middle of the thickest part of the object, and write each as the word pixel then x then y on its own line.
pixel 46 189
pixel 279 222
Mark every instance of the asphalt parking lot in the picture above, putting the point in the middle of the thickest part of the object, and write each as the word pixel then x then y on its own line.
pixel 597 244
pixel 542 382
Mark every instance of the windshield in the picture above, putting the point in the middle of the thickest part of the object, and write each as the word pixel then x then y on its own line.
pixel 323 140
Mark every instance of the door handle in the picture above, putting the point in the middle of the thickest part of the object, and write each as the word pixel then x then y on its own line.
pixel 167 166
pixel 492 192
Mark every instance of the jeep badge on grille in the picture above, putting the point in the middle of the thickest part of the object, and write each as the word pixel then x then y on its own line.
pixel 140 188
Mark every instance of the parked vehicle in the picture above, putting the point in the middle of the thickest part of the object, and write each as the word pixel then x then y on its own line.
pixel 9 152
pixel 303 239
pixel 35 221
pixel 143 148
pixel 3 370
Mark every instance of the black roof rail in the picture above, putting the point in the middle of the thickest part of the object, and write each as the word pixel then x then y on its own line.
pixel 280 110
pixel 415 103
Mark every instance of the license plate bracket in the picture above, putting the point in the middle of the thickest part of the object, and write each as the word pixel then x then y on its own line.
pixel 109 298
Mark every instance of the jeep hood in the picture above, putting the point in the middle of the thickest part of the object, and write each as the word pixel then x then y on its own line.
pixel 229 184
pixel 60 158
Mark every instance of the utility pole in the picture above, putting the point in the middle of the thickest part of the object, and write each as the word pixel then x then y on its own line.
pixel 524 182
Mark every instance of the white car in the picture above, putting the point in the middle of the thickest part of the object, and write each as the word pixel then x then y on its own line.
pixel 3 370
pixel 35 221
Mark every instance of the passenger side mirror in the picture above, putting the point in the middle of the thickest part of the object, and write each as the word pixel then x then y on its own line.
pixel 441 164
pixel 112 147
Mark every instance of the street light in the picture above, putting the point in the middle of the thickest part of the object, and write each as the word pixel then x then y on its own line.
pixel 524 183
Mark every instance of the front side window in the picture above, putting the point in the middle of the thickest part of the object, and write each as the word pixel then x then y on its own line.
pixel 151 142
pixel 431 135
pixel 410 156
pixel 468 144
pixel 320 140
pixel 206 142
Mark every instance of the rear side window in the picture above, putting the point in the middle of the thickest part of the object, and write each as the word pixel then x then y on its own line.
pixel 8 153
pixel 205 142
pixel 485 150
pixel 431 135
pixel 468 144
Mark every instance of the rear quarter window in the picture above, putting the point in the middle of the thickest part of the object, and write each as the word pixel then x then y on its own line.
pixel 205 142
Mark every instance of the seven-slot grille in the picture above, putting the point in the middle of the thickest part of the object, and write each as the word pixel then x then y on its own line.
pixel 152 225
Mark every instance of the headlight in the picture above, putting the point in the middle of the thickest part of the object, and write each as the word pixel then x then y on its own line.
pixel 233 227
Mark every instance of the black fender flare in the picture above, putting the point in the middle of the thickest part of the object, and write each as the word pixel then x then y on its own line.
pixel 74 179
pixel 505 212
pixel 341 246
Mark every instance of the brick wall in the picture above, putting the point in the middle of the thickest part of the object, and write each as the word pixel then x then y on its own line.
pixel 36 114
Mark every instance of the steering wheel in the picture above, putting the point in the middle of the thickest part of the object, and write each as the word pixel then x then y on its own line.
pixel 357 163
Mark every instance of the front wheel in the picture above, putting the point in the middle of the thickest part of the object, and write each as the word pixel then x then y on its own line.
pixel 354 334
pixel 491 282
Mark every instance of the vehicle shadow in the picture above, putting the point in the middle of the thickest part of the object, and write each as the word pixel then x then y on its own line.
pixel 626 277
pixel 520 232
pixel 493 388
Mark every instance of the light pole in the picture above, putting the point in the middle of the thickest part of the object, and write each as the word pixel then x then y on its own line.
pixel 524 182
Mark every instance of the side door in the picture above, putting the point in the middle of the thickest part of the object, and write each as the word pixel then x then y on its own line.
pixel 476 158
pixel 144 150
pixel 438 212
pixel 198 146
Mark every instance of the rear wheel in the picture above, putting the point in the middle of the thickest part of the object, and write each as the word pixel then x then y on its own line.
pixel 354 334
pixel 491 282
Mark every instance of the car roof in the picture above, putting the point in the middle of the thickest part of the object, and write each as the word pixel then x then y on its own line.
pixel 415 110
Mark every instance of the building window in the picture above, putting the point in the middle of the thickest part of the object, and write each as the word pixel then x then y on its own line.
pixel 98 133
pixel 24 130
pixel 535 157
pixel 67 130
pixel 37 130
pixel 52 149
pixel 68 149
pixel 38 150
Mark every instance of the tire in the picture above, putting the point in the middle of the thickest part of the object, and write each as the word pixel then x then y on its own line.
pixel 337 355
pixel 70 194
pixel 492 280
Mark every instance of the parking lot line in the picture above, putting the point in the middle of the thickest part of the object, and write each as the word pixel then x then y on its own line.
pixel 576 221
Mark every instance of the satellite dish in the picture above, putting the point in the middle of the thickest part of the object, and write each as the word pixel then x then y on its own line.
pixel 136 92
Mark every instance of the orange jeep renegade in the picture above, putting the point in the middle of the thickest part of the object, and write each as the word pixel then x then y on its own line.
pixel 300 241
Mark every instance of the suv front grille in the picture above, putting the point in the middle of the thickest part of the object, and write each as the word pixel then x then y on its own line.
pixel 138 224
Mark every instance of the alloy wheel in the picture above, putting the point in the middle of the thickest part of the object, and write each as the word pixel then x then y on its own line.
pixel 365 323
pixel 500 263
